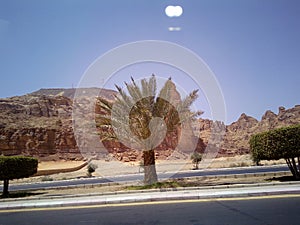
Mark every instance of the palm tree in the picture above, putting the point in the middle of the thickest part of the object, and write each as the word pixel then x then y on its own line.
pixel 140 118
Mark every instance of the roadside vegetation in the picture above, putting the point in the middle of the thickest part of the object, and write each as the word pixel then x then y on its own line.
pixel 196 159
pixel 16 167
pixel 166 184
pixel 91 168
pixel 282 143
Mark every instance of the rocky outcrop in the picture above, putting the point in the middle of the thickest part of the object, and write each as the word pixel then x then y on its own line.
pixel 38 126
pixel 237 135
pixel 41 125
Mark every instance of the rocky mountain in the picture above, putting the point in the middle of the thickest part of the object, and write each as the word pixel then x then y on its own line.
pixel 40 124
pixel 70 92
pixel 237 134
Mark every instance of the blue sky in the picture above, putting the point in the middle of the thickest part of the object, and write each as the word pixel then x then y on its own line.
pixel 252 46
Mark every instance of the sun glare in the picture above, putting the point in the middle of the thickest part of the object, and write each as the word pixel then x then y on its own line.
pixel 173 11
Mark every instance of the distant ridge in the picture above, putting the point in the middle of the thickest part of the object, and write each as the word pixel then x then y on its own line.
pixel 70 92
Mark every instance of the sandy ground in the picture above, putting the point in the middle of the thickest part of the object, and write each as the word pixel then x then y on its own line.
pixel 58 164
pixel 196 182
pixel 115 168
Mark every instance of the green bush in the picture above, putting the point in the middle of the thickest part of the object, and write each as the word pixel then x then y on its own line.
pixel 277 144
pixel 16 167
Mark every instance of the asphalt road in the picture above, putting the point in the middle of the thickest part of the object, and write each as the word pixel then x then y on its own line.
pixel 270 210
pixel 139 177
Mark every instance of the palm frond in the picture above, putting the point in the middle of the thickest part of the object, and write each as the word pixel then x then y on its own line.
pixel 130 116
pixel 134 91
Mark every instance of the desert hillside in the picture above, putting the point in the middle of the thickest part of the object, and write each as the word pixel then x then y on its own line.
pixel 40 124
pixel 237 135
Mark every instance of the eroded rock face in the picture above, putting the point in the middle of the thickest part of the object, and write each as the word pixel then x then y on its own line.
pixel 237 135
pixel 41 125
pixel 38 126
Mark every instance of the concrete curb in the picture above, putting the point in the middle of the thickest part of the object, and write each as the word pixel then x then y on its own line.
pixel 149 195
pixel 215 187
pixel 165 194
pixel 152 196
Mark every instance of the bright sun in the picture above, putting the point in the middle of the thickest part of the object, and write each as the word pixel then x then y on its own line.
pixel 173 11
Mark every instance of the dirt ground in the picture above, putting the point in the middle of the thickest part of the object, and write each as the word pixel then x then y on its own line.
pixel 106 189
pixel 58 164
pixel 222 162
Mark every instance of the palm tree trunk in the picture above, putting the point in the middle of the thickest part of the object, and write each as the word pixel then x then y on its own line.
pixel 150 176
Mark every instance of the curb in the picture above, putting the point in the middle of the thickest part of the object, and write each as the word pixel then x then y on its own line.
pixel 145 199
pixel 161 190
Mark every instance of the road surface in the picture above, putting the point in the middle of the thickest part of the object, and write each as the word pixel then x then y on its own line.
pixel 275 210
pixel 139 177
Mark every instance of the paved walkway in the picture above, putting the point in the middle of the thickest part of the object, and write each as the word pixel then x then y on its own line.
pixel 224 191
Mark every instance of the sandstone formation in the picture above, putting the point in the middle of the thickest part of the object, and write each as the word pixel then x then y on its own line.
pixel 40 124
pixel 237 135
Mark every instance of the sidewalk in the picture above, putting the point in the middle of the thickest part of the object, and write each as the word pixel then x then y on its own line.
pixel 212 192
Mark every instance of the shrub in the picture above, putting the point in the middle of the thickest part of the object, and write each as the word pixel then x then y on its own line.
pixel 196 158
pixel 276 144
pixel 91 169
pixel 16 167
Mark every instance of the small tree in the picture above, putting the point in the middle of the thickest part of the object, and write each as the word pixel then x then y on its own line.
pixel 16 167
pixel 196 158
pixel 91 169
pixel 277 144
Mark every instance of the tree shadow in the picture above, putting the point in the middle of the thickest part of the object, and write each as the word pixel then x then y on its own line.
pixel 283 179
pixel 21 194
